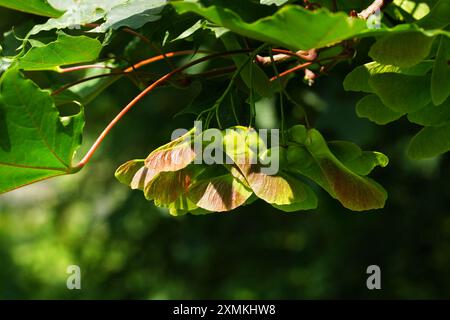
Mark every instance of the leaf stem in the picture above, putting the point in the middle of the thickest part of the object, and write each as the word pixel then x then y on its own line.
pixel 376 5
pixel 151 46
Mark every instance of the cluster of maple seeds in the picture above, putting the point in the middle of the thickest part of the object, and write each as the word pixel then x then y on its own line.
pixel 172 178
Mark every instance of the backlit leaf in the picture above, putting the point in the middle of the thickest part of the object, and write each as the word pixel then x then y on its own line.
pixel 35 143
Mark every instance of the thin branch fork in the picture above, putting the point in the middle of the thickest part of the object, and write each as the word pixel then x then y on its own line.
pixel 133 102
pixel 308 55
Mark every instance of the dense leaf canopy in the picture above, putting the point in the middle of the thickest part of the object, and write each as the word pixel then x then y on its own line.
pixel 257 50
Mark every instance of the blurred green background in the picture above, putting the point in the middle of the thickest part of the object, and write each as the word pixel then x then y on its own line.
pixel 127 248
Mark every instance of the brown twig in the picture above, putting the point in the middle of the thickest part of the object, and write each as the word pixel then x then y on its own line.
pixel 291 70
pixel 308 55
pixel 213 72
pixel 377 5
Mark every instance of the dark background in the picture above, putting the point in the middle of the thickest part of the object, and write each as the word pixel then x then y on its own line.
pixel 128 248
